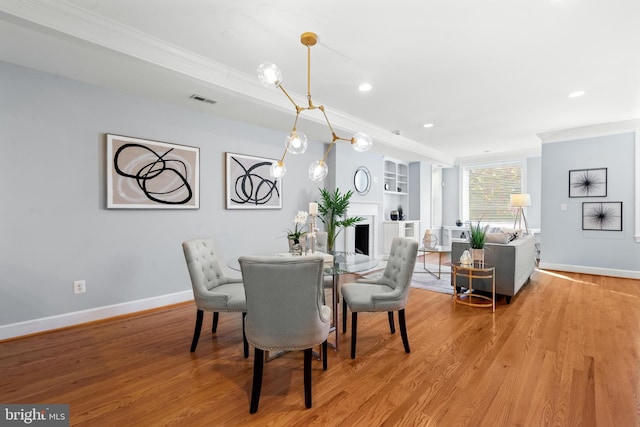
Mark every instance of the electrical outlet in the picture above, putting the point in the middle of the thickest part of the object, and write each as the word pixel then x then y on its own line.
pixel 79 287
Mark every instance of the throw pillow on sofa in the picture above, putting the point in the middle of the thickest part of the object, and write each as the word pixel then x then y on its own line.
pixel 502 238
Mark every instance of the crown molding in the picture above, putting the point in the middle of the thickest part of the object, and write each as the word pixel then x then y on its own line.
pixel 88 26
pixel 591 131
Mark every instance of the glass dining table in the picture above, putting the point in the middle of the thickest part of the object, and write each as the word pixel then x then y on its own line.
pixel 337 263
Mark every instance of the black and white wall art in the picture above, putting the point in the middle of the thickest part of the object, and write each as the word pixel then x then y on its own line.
pixel 588 182
pixel 144 174
pixel 604 216
pixel 249 184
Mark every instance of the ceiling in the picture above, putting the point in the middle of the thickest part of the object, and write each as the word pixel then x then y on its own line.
pixel 489 75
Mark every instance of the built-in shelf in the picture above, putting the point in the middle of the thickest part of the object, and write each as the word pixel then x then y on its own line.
pixel 396 187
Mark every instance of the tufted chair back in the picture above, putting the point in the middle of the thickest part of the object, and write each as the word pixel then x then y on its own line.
pixel 212 289
pixel 208 278
pixel 399 270
pixel 321 241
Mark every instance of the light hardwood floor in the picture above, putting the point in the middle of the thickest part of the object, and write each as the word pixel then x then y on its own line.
pixel 565 352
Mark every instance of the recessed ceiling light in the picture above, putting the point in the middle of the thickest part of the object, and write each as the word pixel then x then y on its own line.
pixel 576 94
pixel 364 87
pixel 428 125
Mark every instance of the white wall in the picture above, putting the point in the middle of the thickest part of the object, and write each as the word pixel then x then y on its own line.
pixel 55 227
pixel 564 245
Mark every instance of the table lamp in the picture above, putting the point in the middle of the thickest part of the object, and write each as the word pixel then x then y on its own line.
pixel 520 201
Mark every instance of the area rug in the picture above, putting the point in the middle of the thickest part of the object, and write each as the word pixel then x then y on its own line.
pixel 422 279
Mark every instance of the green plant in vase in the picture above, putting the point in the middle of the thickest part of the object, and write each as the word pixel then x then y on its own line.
pixel 332 210
pixel 477 239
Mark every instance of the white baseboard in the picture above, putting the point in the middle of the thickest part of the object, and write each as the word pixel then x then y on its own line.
pixel 14 330
pixel 628 274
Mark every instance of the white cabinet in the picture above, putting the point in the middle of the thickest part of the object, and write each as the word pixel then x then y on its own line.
pixel 393 229
pixel 454 233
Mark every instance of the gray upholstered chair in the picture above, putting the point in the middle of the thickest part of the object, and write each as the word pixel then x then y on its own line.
pixel 388 293
pixel 284 312
pixel 212 289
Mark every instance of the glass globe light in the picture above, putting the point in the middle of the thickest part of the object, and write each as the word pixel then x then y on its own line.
pixel 277 169
pixel 296 142
pixel 318 170
pixel 361 142
pixel 269 74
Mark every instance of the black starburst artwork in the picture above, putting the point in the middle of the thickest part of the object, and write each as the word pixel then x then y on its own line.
pixel 588 183
pixel 602 216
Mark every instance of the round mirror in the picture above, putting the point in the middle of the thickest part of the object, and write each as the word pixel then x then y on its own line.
pixel 362 180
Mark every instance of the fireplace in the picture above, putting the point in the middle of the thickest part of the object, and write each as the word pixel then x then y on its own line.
pixel 362 239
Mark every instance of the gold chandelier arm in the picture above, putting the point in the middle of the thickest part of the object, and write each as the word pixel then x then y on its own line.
pixel 298 108
pixel 326 153
pixel 295 122
pixel 283 156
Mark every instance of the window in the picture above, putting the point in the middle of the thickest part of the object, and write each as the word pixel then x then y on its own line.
pixel 486 190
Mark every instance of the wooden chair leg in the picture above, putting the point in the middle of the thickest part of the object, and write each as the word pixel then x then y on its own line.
pixel 344 316
pixel 392 325
pixel 308 354
pixel 245 344
pixel 258 365
pixel 196 332
pixel 324 355
pixel 403 331
pixel 354 331
pixel 214 327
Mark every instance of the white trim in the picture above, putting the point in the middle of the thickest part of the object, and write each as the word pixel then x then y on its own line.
pixel 637 189
pixel 590 131
pixel 14 330
pixel 591 270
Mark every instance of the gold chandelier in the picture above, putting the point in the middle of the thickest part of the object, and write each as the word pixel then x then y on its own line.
pixel 296 142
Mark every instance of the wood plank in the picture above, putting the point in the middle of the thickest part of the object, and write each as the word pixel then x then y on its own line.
pixel 564 352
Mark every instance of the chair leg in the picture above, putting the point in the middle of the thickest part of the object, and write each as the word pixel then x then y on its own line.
pixel 344 316
pixel 392 325
pixel 214 326
pixel 196 332
pixel 324 355
pixel 403 331
pixel 245 344
pixel 354 329
pixel 308 354
pixel 258 365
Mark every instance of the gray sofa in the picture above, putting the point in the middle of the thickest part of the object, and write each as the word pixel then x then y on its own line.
pixel 514 263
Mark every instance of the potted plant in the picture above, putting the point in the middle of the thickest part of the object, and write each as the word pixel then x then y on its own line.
pixel 294 235
pixel 332 211
pixel 477 239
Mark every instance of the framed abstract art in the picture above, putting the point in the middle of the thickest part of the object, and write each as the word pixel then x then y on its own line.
pixel 588 182
pixel 249 184
pixel 604 216
pixel 145 174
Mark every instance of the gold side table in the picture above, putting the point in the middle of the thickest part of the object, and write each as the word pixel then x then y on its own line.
pixel 477 270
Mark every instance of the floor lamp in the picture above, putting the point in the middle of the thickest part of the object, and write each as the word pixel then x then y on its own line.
pixel 520 201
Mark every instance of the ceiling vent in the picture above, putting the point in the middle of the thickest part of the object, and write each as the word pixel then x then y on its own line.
pixel 203 99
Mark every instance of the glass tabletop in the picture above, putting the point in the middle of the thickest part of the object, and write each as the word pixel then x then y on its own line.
pixel 438 248
pixel 349 262
pixel 336 262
